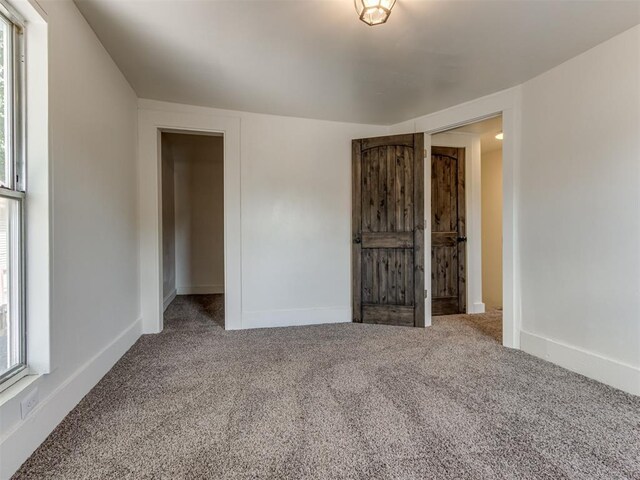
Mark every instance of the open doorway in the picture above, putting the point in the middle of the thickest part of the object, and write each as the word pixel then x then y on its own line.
pixel 192 228
pixel 466 224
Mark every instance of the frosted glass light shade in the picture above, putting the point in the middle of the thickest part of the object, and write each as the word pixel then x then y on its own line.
pixel 374 12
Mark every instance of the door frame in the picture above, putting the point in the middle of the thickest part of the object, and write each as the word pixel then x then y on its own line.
pixel 505 103
pixel 154 117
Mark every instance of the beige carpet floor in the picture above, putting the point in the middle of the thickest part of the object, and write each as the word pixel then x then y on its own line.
pixel 342 401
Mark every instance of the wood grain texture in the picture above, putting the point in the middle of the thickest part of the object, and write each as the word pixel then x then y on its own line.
pixel 387 240
pixel 388 219
pixel 388 314
pixel 462 233
pixel 448 282
pixel 444 306
pixel 402 140
pixel 418 230
pixel 356 222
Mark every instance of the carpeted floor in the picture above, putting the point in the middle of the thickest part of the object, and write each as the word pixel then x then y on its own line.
pixel 339 401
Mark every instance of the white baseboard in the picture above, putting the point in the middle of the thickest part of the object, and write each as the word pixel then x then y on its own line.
pixel 477 307
pixel 200 289
pixel 19 443
pixel 168 299
pixel 295 317
pixel 606 370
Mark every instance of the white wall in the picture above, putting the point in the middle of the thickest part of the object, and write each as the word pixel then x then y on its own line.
pixel 491 165
pixel 94 301
pixel 168 222
pixel 296 219
pixel 295 187
pixel 571 190
pixel 199 213
pixel 579 186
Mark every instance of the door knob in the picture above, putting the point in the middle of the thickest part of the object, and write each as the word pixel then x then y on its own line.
pixel 462 239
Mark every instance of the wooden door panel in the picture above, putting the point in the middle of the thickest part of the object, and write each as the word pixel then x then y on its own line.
pixel 444 264
pixel 447 231
pixel 388 271
pixel 387 240
pixel 387 181
pixel 387 276
pixel 388 315
pixel 445 306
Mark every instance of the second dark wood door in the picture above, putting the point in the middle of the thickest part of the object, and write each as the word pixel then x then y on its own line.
pixel 448 237
pixel 388 230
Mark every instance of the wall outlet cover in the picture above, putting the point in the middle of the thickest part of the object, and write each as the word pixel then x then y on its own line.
pixel 29 403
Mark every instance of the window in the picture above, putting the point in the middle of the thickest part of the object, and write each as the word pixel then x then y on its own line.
pixel 12 198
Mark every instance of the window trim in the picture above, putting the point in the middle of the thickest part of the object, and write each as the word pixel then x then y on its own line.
pixel 17 185
pixel 19 107
pixel 11 14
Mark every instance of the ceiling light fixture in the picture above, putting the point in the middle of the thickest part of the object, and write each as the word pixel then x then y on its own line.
pixel 500 136
pixel 374 12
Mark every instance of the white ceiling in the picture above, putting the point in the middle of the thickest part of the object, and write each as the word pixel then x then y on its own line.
pixel 316 59
pixel 487 129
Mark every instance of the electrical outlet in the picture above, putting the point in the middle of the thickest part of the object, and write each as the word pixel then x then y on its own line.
pixel 29 403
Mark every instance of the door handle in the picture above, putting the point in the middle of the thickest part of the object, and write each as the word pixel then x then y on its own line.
pixel 357 239
pixel 462 239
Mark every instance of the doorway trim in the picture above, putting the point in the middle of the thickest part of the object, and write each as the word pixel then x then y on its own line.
pixel 155 117
pixel 507 103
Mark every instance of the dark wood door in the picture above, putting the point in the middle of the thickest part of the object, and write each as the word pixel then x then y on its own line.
pixel 448 240
pixel 388 230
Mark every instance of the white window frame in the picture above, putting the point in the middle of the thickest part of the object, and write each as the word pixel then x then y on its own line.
pixel 16 186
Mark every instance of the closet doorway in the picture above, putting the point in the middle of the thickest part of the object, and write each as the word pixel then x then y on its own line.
pixel 192 228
